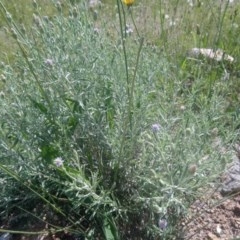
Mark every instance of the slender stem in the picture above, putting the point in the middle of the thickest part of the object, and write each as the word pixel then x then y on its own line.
pixel 130 85
pixel 135 73
pixel 26 232
pixel 162 31
pixel 221 23
pixel 135 26
pixel 123 38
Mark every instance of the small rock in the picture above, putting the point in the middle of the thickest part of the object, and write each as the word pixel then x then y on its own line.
pixel 231 183
pixel 217 55
pixel 212 236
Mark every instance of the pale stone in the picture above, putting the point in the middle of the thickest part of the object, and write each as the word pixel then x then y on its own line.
pixel 217 55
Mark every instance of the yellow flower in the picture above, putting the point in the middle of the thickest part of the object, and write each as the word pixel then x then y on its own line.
pixel 128 2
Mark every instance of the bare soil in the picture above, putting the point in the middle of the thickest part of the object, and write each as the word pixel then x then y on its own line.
pixel 214 217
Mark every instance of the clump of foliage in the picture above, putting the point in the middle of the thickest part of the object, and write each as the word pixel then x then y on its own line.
pixel 103 135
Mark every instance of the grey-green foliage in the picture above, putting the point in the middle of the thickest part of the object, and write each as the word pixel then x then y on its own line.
pixel 66 96
pixel 59 102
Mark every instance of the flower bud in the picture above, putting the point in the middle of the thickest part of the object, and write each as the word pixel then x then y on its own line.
pixel 192 168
